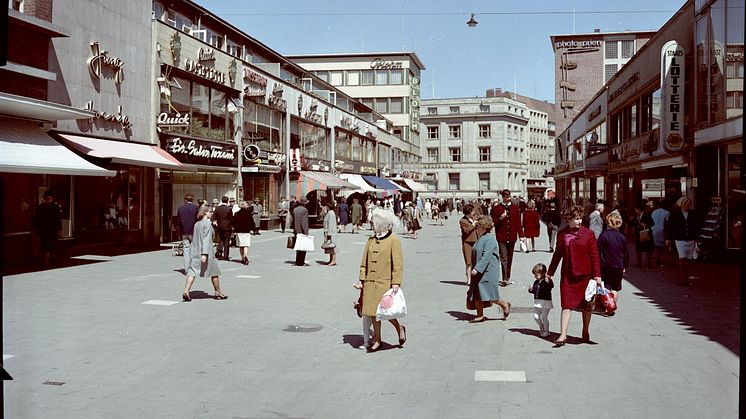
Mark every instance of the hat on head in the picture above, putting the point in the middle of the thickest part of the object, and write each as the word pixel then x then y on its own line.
pixel 232 199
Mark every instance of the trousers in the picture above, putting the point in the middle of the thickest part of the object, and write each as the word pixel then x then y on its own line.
pixel 186 240
pixel 506 258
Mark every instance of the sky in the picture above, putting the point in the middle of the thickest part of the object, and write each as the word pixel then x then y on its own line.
pixel 508 49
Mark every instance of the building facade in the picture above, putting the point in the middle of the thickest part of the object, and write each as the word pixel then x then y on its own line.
pixel 387 82
pixel 474 147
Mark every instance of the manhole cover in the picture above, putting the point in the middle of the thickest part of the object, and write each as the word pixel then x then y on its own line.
pixel 53 383
pixel 303 328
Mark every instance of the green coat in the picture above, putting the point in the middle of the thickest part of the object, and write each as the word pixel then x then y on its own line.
pixel 381 267
pixel 486 261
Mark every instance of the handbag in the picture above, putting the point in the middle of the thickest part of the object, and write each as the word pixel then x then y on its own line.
pixel 607 300
pixel 328 245
pixel 303 243
pixel 471 304
pixel 396 310
pixel 291 242
pixel 645 235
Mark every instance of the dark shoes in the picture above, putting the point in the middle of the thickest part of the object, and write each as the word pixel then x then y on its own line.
pixel 375 347
pixel 506 313
pixel 185 297
pixel 221 297
pixel 402 340
pixel 559 343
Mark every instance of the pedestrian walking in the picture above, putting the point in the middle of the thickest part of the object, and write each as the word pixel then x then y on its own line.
pixel 223 218
pixel 542 291
pixel 203 261
pixel 256 209
pixel 487 271
pixel 595 220
pixel 576 248
pixel 330 234
pixel 282 212
pixel 357 215
pixel 381 269
pixel 243 225
pixel 412 219
pixel 531 227
pixel 614 254
pixel 683 227
pixel 186 217
pixel 428 209
pixel 300 226
pixel 642 224
pixel 508 229
pixel 343 213
pixel 468 224
pixel 47 223
pixel 660 216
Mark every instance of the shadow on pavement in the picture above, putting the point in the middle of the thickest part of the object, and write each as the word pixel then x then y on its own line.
pixel 709 307
pixel 460 315
pixel 72 258
pixel 463 284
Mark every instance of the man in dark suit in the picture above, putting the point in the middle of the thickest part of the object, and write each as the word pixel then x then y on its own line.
pixel 187 217
pixel 300 226
pixel 553 219
pixel 223 218
pixel 508 229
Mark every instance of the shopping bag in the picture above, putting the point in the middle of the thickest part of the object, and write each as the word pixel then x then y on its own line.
pixel 607 300
pixel 291 242
pixel 522 244
pixel 590 290
pixel 303 243
pixel 397 306
pixel 695 251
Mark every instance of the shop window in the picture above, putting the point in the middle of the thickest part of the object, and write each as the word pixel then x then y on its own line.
pixel 454 181
pixel 263 127
pixel 200 111
pixel 343 146
pixel 484 154
pixel 370 148
pixel 210 112
pixel 433 133
pixel 485 131
pixel 179 103
pixel 353 78
pixel 650 111
pixel 432 155
pixel 454 131
pixel 313 141
pixel 455 153
pixel 218 115
pixel 112 203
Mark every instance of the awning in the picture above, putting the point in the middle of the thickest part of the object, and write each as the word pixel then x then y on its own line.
pixel 413 185
pixel 384 184
pixel 25 148
pixel 665 162
pixel 26 107
pixel 123 152
pixel 310 181
pixel 359 182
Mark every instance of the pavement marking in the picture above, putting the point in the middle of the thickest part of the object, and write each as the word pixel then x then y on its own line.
pixel 359 242
pixel 7 356
pixel 500 376
pixel 93 257
pixel 160 302
pixel 248 276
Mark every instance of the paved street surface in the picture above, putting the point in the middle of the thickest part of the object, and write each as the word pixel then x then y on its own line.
pixel 110 338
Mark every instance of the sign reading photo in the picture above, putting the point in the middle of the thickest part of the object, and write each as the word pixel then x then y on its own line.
pixel 202 152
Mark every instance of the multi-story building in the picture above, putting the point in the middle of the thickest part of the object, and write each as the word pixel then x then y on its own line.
pixel 540 158
pixel 389 83
pixel 475 146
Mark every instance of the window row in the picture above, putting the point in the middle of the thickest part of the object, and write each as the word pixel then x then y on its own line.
pixel 384 105
pixel 636 118
pixel 484 154
pixel 354 147
pixel 362 77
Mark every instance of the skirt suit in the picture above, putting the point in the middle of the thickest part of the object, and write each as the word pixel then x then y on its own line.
pixel 202 245
pixel 468 238
pixel 577 249
pixel 382 266
pixel 487 263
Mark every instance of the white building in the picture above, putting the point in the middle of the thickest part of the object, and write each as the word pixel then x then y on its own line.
pixel 387 82
pixel 476 146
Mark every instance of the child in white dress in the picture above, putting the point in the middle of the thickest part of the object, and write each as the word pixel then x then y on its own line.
pixel 542 291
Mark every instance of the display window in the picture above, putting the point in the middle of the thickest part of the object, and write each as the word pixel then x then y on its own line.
pixel 111 203
pixel 263 126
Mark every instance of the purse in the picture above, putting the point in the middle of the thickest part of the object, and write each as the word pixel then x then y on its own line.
pixel 328 245
pixel 645 235
pixel 291 242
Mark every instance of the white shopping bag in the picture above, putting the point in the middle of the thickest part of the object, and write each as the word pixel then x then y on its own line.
pixel 303 243
pixel 398 308
pixel 522 244
pixel 590 290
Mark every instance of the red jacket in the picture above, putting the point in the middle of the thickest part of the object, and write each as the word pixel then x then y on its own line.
pixel 531 223
pixel 579 253
pixel 510 228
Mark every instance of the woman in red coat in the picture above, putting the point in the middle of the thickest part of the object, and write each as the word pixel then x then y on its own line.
pixel 576 247
pixel 531 225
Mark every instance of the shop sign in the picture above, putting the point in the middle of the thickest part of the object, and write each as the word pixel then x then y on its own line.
pixel 256 84
pixel 672 96
pixel 381 64
pixel 101 59
pixel 594 113
pixel 437 166
pixel 414 105
pixel 118 119
pixel 275 100
pixel 631 81
pixel 574 45
pixel 368 169
pixel 295 160
pixel 349 123
pixel 631 150
pixel 166 119
pixel 193 151
pixel 201 70
pixel 206 54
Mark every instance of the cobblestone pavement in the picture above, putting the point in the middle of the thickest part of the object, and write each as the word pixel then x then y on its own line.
pixel 110 338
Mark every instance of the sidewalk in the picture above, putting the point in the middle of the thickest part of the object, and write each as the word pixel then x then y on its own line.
pixel 115 332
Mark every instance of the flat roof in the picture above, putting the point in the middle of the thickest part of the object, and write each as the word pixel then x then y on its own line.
pixel 412 55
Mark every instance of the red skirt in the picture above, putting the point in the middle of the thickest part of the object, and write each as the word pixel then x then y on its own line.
pixel 572 291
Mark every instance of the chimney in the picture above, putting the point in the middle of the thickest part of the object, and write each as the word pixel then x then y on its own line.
pixel 596 30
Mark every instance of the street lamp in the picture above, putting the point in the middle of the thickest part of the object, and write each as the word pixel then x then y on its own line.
pixel 472 22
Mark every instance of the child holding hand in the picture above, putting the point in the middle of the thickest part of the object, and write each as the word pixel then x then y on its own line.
pixel 542 291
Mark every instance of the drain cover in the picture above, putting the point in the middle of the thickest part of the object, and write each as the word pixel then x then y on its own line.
pixel 303 328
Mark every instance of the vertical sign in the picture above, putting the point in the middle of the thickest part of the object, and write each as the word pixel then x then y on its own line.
pixel 295 164
pixel 672 100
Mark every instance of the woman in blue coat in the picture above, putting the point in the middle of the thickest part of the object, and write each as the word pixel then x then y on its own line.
pixel 487 271
pixel 203 262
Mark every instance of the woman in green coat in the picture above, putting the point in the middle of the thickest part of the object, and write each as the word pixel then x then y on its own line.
pixel 380 270
pixel 487 271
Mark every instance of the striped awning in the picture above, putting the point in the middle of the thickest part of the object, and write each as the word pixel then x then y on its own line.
pixel 385 184
pixel 311 181
pixel 413 184
pixel 359 181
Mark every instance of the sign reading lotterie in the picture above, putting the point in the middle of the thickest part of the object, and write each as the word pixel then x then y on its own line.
pixel 672 96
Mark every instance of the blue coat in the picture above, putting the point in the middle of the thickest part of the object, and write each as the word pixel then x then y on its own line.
pixel 202 245
pixel 487 262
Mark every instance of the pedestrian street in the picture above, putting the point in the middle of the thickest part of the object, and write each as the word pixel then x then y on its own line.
pixel 110 338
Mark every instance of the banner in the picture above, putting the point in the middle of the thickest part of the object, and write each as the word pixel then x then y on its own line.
pixel 672 96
